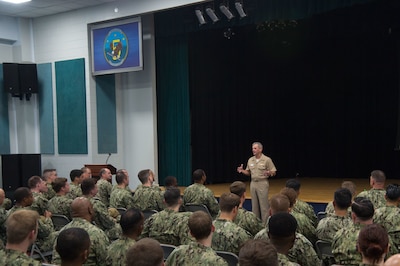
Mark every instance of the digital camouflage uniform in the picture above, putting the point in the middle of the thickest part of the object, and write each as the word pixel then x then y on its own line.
pixel 121 198
pixel 3 218
pixel 248 221
pixel 194 254
pixel 74 191
pixel 103 219
pixel 104 191
pixel 283 260
pixel 306 209
pixel 168 227
pixel 376 196
pixel 305 226
pixel 50 192
pixel 17 258
pixel 60 205
pixel 39 203
pixel 7 204
pixel 388 217
pixel 328 226
pixel 46 232
pixel 116 252
pixel 228 236
pixel 148 198
pixel 302 251
pixel 330 209
pixel 200 194
pixel 344 247
pixel 98 243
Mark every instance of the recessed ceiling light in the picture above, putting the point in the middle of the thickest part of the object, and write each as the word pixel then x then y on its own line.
pixel 16 1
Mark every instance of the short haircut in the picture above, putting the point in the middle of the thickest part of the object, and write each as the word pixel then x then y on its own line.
pixel 393 192
pixel 170 181
pixel 21 193
pixel 143 175
pixel 47 172
pixel 75 173
pixel 198 174
pixel 172 196
pixel 258 144
pixel 282 224
pixel 373 241
pixel 258 252
pixel 71 243
pixel 19 224
pixel 291 194
pixel 120 176
pixel 293 183
pixel 378 176
pixel 131 220
pixel 350 186
pixel 33 181
pixel 88 185
pixel 228 201
pixel 145 252
pixel 363 208
pixel 238 188
pixel 200 224
pixel 103 171
pixel 59 183
pixel 342 198
pixel 279 203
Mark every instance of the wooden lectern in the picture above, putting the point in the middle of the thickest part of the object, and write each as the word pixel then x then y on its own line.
pixel 97 167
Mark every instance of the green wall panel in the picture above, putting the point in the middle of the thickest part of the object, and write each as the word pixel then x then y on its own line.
pixel 4 123
pixel 46 118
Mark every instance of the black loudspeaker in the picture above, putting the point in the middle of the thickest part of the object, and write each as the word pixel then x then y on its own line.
pixel 18 168
pixel 11 78
pixel 28 80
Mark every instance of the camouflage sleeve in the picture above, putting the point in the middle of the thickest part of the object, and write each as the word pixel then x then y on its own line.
pixel 102 217
pixel 172 259
pixel 160 201
pixel 101 243
pixel 147 227
pixel 212 204
pixel 45 227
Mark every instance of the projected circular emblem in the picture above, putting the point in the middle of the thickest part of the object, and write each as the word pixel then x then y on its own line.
pixel 115 47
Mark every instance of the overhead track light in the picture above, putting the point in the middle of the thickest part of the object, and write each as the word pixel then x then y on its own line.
pixel 225 10
pixel 200 17
pixel 239 9
pixel 210 12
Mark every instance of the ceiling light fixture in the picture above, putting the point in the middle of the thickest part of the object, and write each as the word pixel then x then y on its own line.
pixel 210 12
pixel 225 10
pixel 16 1
pixel 200 17
pixel 239 9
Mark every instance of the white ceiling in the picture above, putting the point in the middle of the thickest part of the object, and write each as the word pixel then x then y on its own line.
pixel 39 8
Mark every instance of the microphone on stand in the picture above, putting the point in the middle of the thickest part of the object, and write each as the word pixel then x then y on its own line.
pixel 109 155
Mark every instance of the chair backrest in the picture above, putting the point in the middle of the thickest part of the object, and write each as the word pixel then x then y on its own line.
pixel 59 221
pixel 167 250
pixel 231 258
pixel 121 210
pixel 148 213
pixel 324 251
pixel 192 207
pixel 321 215
pixel 39 255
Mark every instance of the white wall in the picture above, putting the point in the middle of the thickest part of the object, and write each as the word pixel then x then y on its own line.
pixel 63 37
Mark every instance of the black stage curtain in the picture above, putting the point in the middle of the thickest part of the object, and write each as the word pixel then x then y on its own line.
pixel 322 96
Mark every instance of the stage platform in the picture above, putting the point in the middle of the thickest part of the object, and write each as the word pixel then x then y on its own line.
pixel 317 191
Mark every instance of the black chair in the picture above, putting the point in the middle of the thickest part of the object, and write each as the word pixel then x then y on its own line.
pixel 324 252
pixel 121 210
pixel 231 258
pixel 148 213
pixel 192 207
pixel 321 215
pixel 167 250
pixel 37 254
pixel 59 221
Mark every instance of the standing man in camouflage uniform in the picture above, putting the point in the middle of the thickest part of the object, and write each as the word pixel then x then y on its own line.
pixel 77 177
pixel 228 236
pixel 101 216
pixel 302 251
pixel 104 185
pixel 199 194
pixel 260 168
pixel 132 225
pixel 22 230
pixel 146 196
pixel 49 175
pixel 328 226
pixel 82 217
pixel 169 226
pixel 197 252
pixel 60 204
pixel 38 186
pixel 245 219
pixel 121 197
pixel 377 192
